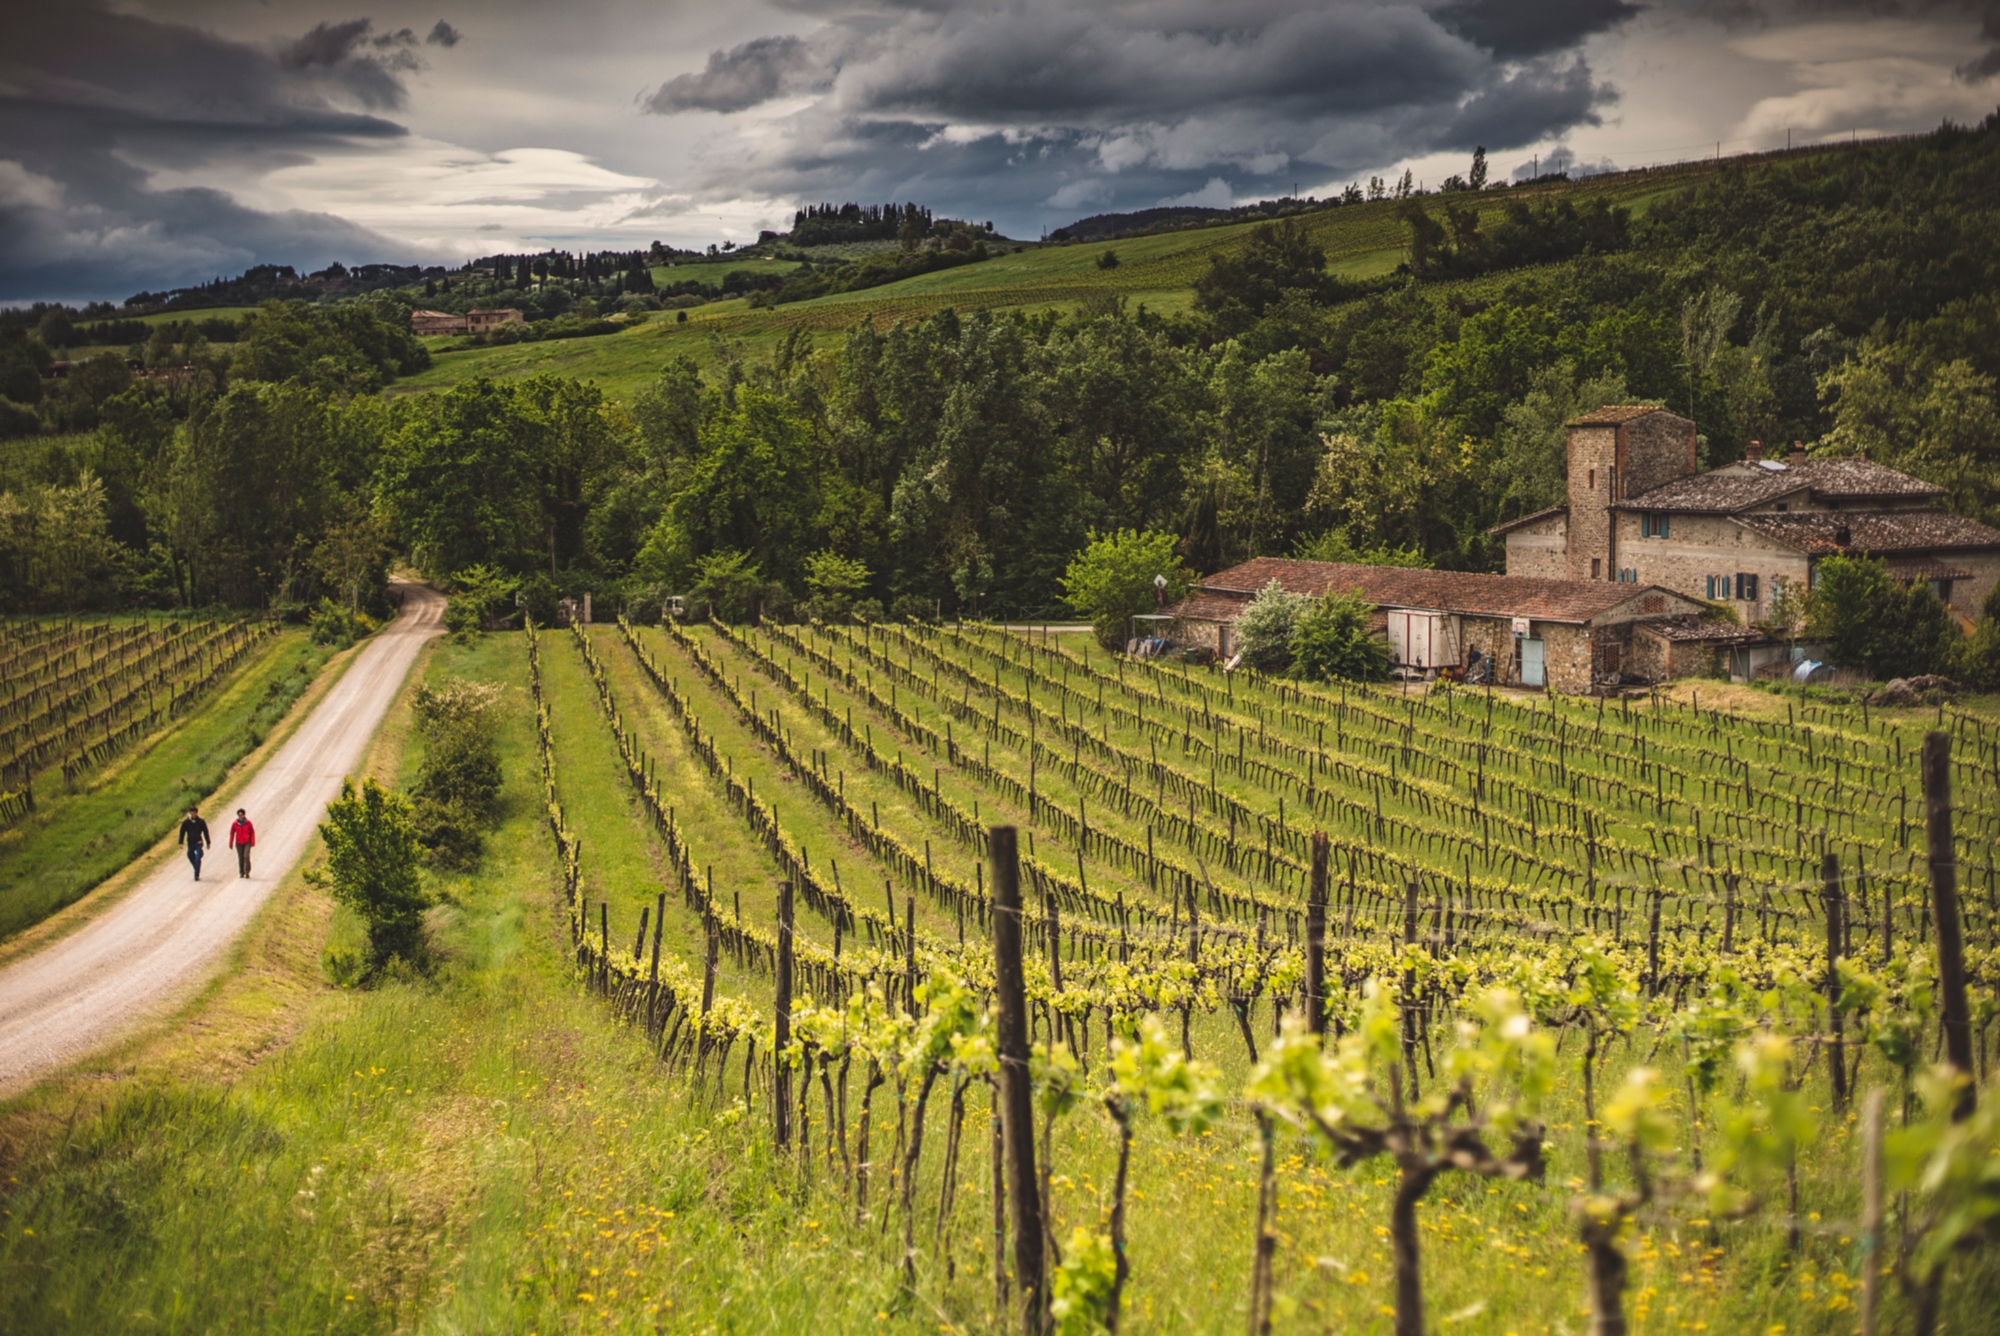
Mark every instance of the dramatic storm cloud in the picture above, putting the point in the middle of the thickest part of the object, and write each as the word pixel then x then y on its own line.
pixel 1043 102
pixel 89 92
pixel 167 141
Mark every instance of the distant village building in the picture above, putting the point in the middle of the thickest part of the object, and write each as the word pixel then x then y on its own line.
pixel 1566 635
pixel 479 322
pixel 1640 512
pixel 436 322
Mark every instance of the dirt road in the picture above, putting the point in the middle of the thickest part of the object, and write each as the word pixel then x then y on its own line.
pixel 170 931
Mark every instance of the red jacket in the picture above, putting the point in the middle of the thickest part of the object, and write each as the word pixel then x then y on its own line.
pixel 242 832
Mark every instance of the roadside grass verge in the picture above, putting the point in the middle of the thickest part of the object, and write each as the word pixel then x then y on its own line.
pixel 73 841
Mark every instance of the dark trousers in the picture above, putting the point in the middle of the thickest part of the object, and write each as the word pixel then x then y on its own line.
pixel 194 858
pixel 242 860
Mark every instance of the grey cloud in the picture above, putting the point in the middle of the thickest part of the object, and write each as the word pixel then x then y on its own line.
pixel 984 108
pixel 444 35
pixel 740 78
pixel 97 99
pixel 1515 28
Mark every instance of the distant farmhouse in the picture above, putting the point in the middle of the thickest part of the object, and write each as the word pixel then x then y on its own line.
pixel 1566 635
pixel 472 322
pixel 1622 582
pixel 1640 512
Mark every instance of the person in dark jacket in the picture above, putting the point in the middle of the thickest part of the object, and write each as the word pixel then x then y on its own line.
pixel 194 834
pixel 242 835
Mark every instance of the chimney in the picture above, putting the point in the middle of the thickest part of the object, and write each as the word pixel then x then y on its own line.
pixel 1754 453
pixel 1798 452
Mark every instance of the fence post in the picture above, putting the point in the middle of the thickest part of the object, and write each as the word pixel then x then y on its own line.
pixel 782 1034
pixel 1957 1021
pixel 1829 874
pixel 1016 1096
pixel 1316 937
pixel 1408 1001
pixel 1871 1208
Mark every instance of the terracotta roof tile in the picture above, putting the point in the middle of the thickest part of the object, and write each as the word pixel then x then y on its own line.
pixel 1925 568
pixel 1699 628
pixel 1873 532
pixel 1612 415
pixel 1526 520
pixel 1740 486
pixel 1443 591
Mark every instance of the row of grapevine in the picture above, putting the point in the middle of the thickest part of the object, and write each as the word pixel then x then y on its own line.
pixel 1407 909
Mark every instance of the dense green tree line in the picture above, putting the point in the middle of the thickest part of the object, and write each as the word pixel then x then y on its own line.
pixel 1847 299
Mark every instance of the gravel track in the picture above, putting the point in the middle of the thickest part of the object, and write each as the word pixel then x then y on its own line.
pixel 170 931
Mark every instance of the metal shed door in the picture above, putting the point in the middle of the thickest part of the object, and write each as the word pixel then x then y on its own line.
pixel 1531 664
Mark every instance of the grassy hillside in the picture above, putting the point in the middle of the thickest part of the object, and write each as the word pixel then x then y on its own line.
pixel 1361 241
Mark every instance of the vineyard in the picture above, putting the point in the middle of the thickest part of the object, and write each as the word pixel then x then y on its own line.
pixel 1006 939
pixel 76 695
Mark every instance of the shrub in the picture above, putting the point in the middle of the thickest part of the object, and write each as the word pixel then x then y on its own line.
pixel 1111 580
pixel 834 581
pixel 479 595
pixel 1265 628
pixel 1872 621
pixel 458 788
pixel 1979 654
pixel 1331 639
pixel 337 625
pixel 371 867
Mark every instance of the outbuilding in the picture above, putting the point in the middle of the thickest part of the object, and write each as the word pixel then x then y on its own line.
pixel 1566 635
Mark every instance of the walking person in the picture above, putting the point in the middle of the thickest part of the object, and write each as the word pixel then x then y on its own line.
pixel 194 834
pixel 242 835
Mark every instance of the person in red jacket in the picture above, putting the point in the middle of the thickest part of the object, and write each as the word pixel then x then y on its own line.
pixel 242 837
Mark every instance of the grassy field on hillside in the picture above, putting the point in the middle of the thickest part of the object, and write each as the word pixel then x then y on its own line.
pixel 1361 241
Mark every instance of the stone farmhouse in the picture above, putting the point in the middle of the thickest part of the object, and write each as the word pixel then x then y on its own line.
pixel 1641 513
pixel 472 322
pixel 1564 635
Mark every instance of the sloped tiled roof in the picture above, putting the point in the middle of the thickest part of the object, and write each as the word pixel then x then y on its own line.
pixel 1873 531
pixel 1925 568
pixel 1705 630
pixel 1738 487
pixel 1526 520
pixel 1438 591
pixel 1612 415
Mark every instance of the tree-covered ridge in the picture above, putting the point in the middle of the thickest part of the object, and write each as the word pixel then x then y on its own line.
pixel 1846 299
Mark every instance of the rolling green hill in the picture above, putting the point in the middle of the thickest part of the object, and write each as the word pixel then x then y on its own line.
pixel 1361 241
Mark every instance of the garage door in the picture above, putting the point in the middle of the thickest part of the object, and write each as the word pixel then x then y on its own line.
pixel 1532 674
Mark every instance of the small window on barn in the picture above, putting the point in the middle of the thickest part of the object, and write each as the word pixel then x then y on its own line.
pixel 1652 603
pixel 1597 568
pixel 1592 474
pixel 1746 587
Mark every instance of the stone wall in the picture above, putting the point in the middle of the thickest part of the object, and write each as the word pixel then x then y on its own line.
pixel 1540 549
pixel 1969 596
pixel 1593 461
pixel 1698 546
pixel 1566 656
pixel 1659 449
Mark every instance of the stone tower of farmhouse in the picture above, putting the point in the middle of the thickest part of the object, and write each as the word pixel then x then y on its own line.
pixel 1615 454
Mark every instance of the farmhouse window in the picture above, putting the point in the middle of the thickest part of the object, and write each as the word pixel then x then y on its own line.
pixel 1654 526
pixel 1746 587
pixel 1597 568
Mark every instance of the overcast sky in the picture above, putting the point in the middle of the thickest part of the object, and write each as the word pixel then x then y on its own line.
pixel 155 143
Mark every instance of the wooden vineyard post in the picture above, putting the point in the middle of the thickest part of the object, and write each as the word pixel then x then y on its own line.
pixel 1829 875
pixel 653 974
pixel 1871 1208
pixel 1944 906
pixel 1016 1095
pixel 1316 937
pixel 1408 1000
pixel 782 1034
